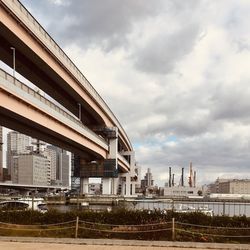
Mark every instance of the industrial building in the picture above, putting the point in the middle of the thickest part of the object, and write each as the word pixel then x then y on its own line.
pixel 181 190
pixel 230 186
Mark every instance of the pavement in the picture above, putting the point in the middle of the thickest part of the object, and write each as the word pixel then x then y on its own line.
pixel 36 243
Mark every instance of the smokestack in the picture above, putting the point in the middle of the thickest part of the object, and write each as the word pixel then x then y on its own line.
pixel 194 178
pixel 173 180
pixel 170 176
pixel 182 177
pixel 190 181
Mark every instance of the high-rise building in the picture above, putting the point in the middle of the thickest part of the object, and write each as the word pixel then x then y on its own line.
pixel 51 154
pixel 148 180
pixel 17 143
pixel 31 169
pixel 1 153
pixel 62 165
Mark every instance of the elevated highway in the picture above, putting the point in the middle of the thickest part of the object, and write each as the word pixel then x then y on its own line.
pixel 85 126
pixel 23 109
pixel 43 62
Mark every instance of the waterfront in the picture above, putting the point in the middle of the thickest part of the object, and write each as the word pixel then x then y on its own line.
pixel 218 207
pixel 230 208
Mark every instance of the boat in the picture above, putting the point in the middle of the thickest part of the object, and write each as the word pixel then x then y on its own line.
pixel 206 210
pixel 189 209
pixel 24 204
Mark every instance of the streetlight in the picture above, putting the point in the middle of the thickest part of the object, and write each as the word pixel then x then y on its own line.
pixel 14 60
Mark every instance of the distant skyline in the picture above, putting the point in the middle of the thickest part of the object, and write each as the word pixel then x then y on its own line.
pixel 174 72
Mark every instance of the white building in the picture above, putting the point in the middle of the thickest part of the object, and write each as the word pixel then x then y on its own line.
pixel 181 191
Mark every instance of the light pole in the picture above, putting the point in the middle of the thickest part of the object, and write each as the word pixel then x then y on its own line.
pixel 14 60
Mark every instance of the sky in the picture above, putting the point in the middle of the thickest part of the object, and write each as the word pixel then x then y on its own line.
pixel 175 73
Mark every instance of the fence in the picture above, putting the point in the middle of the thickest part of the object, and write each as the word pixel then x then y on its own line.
pixel 169 230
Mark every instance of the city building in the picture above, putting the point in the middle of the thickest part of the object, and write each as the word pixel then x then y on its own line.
pixel 148 181
pixel 230 186
pixel 51 154
pixel 60 168
pixel 42 166
pixel 17 144
pixel 31 169
pixel 215 187
pixel 181 191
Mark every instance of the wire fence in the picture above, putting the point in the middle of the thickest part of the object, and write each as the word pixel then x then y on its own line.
pixel 172 230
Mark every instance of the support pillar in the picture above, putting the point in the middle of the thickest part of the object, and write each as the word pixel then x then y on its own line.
pixel 107 186
pixel 115 183
pixel 84 185
pixel 110 185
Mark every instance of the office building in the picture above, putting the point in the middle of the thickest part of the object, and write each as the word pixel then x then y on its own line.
pixel 17 144
pixel 31 169
pixel 60 166
pixel 51 154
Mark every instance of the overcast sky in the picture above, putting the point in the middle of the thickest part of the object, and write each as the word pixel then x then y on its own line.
pixel 176 74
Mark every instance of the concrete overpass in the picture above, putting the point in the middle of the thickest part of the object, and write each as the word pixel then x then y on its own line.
pixel 97 136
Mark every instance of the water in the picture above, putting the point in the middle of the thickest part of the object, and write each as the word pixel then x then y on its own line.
pixel 219 208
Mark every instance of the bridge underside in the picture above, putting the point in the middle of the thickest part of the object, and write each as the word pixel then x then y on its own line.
pixel 18 123
pixel 38 72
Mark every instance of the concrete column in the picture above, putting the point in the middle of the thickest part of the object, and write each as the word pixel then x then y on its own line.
pixel 110 185
pixel 107 186
pixel 115 183
pixel 128 182
pixel 84 185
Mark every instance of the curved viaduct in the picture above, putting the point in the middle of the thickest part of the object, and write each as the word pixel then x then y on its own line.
pixel 89 128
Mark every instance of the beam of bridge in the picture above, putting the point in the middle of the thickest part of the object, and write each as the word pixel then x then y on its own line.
pixel 44 63
pixel 23 109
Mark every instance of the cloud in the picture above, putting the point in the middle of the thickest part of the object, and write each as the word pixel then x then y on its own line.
pixel 162 55
pixel 94 23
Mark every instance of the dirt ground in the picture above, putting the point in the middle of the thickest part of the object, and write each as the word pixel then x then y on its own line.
pixel 50 246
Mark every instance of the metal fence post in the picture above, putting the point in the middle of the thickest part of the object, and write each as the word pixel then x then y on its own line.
pixel 77 222
pixel 173 229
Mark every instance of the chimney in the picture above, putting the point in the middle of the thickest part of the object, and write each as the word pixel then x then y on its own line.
pixel 173 180
pixel 190 179
pixel 182 177
pixel 170 176
pixel 194 178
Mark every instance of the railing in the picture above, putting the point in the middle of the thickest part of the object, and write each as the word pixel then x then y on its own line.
pixel 47 102
pixel 30 22
pixel 167 229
